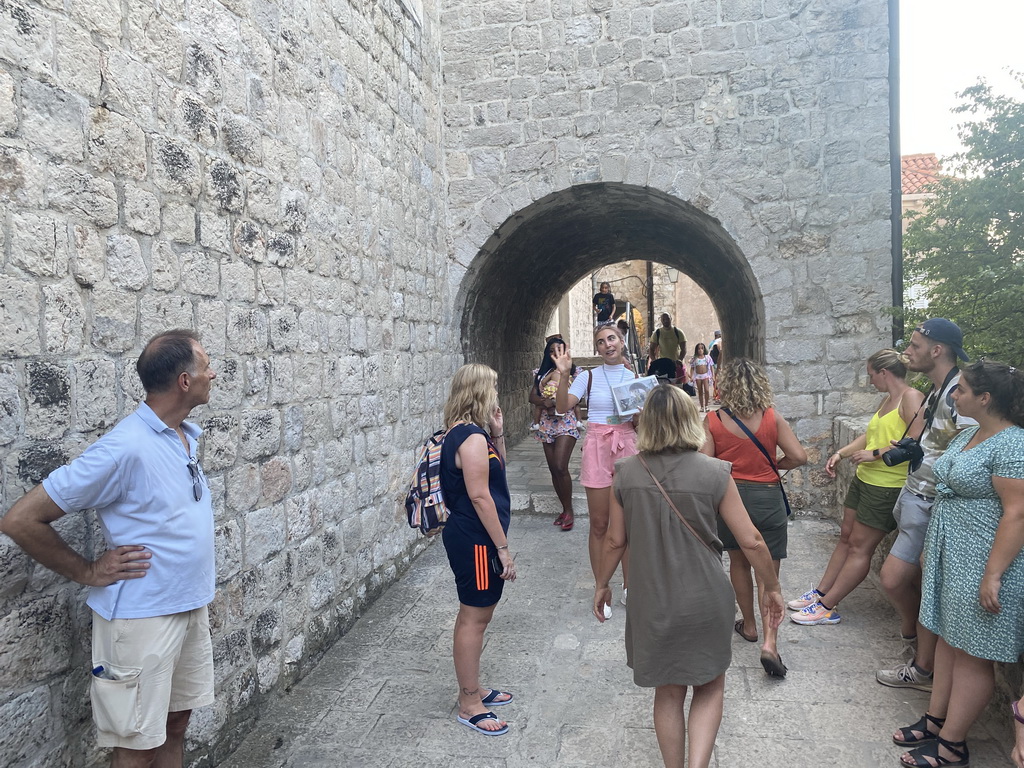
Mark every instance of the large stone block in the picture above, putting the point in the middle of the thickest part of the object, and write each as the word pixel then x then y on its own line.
pixel 20 306
pixel 39 244
pixel 95 400
pixel 49 399
pixel 83 196
pixel 37 642
pixel 63 319
pixel 27 721
pixel 125 266
pixel 116 143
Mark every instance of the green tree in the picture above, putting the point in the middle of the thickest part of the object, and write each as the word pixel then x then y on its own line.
pixel 967 248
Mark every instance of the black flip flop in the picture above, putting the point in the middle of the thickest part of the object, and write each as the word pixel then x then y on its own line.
pixel 773 665
pixel 738 628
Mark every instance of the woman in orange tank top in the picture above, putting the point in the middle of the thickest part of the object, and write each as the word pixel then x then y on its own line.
pixel 747 398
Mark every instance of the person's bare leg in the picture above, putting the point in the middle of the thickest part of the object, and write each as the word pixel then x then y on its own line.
pixel 771 634
pixel 743 586
pixel 467 645
pixel 840 553
pixel 901 581
pixel 557 455
pixel 171 754
pixel 974 683
pixel 598 503
pixel 670 723
pixel 863 541
pixel 705 719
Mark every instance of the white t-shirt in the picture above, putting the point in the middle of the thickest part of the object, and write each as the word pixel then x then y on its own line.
pixel 600 406
pixel 137 479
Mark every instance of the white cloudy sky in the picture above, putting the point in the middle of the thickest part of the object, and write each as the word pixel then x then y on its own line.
pixel 945 47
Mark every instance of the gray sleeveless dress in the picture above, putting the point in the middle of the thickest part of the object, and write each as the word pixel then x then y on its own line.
pixel 681 603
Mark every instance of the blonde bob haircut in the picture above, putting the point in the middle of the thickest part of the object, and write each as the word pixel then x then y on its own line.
pixel 473 396
pixel 743 386
pixel 669 423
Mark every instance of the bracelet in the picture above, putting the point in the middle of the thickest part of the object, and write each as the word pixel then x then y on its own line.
pixel 502 547
pixel 1016 712
pixel 840 455
pixel 498 437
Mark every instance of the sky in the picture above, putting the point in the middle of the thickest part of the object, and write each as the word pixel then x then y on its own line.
pixel 944 47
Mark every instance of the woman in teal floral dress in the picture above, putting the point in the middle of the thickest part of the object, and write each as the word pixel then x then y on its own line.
pixel 973 580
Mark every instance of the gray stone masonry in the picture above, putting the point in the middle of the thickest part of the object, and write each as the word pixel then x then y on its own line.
pixel 743 143
pixel 271 175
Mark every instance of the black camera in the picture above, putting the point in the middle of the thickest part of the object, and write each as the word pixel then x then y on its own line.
pixel 907 449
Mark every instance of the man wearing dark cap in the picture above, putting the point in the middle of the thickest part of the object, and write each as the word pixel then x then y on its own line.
pixel 933 350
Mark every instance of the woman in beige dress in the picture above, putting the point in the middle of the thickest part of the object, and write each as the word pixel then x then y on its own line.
pixel 680 617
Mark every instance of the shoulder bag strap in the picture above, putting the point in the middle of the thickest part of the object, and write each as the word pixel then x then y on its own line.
pixel 682 519
pixel 761 448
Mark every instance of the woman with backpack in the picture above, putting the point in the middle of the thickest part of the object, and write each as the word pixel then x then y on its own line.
pixel 610 437
pixel 476 534
pixel 747 431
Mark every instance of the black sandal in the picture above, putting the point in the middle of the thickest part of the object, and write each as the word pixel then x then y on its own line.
pixel 931 750
pixel 921 726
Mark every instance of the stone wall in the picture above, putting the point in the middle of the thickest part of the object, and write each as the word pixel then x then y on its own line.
pixel 743 143
pixel 270 174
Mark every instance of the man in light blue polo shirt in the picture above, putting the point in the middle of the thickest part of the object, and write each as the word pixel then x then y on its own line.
pixel 151 650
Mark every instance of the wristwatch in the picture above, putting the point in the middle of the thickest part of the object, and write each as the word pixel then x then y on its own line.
pixel 876 453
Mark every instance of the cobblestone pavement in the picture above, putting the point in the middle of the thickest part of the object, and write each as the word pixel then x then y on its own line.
pixel 384 695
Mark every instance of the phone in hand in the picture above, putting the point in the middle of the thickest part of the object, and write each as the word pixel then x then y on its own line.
pixel 496 565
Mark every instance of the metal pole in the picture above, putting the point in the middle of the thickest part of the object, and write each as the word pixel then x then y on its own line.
pixel 650 298
pixel 895 168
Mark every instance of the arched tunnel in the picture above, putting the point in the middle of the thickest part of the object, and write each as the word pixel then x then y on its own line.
pixel 528 264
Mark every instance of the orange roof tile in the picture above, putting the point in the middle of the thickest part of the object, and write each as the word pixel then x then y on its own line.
pixel 919 171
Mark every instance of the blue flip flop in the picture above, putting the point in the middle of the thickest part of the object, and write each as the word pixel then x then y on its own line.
pixel 490 698
pixel 472 723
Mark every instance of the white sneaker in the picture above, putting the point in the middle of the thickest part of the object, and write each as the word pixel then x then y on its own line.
pixel 623 598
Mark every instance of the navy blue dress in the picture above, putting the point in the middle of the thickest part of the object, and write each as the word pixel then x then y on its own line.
pixel 466 541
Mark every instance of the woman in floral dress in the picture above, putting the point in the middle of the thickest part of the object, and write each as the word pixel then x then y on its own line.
pixel 973 580
pixel 558 432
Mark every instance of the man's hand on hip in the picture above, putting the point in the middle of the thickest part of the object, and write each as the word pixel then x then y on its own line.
pixel 127 562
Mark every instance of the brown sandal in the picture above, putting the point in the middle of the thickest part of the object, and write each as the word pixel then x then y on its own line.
pixel 738 628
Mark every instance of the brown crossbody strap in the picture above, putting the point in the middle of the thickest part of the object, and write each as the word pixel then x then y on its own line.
pixel 682 519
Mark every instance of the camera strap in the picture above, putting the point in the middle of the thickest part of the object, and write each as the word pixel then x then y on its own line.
pixel 929 412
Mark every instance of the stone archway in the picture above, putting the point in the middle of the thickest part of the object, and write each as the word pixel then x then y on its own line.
pixel 539 252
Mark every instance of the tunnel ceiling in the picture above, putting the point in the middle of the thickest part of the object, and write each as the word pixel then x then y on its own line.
pixel 537 255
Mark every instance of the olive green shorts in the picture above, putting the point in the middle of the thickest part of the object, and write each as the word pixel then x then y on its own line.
pixel 873 503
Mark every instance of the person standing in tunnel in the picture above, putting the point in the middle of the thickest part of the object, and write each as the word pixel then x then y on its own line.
pixel 604 304
pixel 557 432
pixel 610 437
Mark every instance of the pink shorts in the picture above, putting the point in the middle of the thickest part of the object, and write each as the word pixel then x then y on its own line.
pixel 604 445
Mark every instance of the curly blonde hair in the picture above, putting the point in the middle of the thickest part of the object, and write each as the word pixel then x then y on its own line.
pixel 669 422
pixel 473 396
pixel 743 386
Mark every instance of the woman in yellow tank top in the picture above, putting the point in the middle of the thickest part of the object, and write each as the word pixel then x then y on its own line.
pixel 867 509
